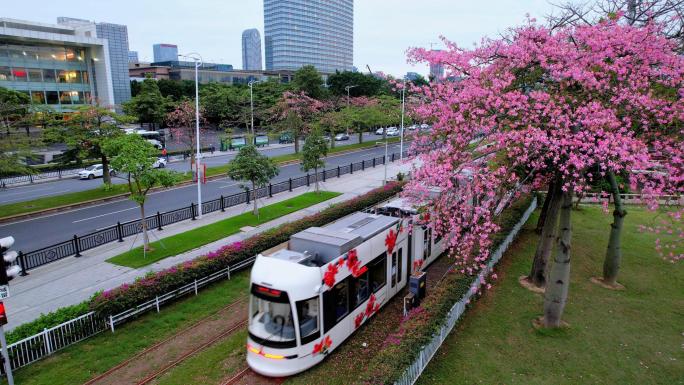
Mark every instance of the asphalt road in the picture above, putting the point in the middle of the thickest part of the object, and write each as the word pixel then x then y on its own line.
pixel 31 234
pixel 70 185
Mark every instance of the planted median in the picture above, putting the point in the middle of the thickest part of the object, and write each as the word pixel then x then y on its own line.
pixel 201 236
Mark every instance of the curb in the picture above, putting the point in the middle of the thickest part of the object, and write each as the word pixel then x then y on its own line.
pixel 93 202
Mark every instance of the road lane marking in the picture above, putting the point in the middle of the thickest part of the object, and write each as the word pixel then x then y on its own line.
pixel 104 215
pixel 34 196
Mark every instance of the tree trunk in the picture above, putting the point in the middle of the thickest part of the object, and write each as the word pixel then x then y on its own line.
pixel 254 198
pixel 296 143
pixel 360 136
pixel 316 179
pixel 143 222
pixel 332 139
pixel 548 234
pixel 611 264
pixel 106 177
pixel 559 278
pixel 545 207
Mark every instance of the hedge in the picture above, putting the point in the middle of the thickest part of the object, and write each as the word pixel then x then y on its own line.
pixel 46 321
pixel 402 347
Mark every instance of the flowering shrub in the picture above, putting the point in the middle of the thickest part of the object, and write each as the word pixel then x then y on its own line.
pixel 127 296
pixel 417 329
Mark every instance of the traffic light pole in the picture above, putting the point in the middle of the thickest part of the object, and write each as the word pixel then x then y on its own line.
pixel 5 357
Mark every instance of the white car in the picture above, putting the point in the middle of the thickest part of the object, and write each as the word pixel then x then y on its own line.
pixel 392 131
pixel 412 127
pixel 379 131
pixel 424 126
pixel 159 163
pixel 341 137
pixel 94 171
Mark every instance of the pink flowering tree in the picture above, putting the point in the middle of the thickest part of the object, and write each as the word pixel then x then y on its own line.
pixel 181 122
pixel 296 111
pixel 564 107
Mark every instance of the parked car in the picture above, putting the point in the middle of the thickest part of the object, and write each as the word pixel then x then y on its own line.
pixel 286 137
pixel 412 127
pixel 159 163
pixel 424 126
pixel 94 171
pixel 341 137
pixel 379 131
pixel 392 131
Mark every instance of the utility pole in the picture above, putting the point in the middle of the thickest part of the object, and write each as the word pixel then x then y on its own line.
pixel 198 63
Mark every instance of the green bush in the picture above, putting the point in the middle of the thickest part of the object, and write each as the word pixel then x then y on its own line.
pixel 46 321
pixel 126 296
pixel 417 329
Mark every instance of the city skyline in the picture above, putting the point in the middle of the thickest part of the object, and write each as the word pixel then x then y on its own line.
pixel 214 28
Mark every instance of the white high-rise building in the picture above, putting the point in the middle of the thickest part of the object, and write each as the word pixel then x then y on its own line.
pixel 251 50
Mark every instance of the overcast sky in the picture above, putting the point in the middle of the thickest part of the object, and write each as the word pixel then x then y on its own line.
pixel 383 29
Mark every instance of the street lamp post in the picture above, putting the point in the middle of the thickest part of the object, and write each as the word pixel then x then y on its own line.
pixel 384 180
pixel 403 108
pixel 197 58
pixel 251 101
pixel 347 88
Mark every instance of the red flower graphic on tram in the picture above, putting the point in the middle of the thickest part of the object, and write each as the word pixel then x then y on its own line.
pixel 359 319
pixel 391 241
pixel 322 347
pixel 329 275
pixel 371 308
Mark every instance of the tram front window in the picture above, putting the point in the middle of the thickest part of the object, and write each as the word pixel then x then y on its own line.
pixel 271 322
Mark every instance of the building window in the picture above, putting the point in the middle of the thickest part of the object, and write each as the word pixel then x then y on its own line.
pixel 5 74
pixel 49 76
pixel 65 97
pixel 86 97
pixel 38 97
pixel 35 75
pixel 20 74
pixel 67 76
pixel 84 76
pixel 52 97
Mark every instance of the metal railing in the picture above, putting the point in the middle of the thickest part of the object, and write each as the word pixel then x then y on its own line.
pixel 428 351
pixel 32 178
pixel 116 233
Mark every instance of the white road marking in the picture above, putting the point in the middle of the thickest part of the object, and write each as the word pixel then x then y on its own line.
pixel 229 185
pixel 104 215
pixel 24 192
pixel 35 196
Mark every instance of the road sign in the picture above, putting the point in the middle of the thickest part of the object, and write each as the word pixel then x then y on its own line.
pixel 4 292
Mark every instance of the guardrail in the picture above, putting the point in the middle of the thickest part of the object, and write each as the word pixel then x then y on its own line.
pixel 116 233
pixel 32 178
pixel 428 351
pixel 677 200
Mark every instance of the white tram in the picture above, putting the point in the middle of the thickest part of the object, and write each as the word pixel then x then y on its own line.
pixel 311 293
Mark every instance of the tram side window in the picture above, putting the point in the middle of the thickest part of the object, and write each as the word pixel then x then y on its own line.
pixel 394 269
pixel 378 272
pixel 336 304
pixel 307 313
pixel 360 290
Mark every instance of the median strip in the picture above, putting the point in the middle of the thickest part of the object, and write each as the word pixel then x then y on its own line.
pixel 201 236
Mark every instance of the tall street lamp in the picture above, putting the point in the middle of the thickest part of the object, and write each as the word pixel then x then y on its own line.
pixel 347 88
pixel 251 101
pixel 197 58
pixel 403 108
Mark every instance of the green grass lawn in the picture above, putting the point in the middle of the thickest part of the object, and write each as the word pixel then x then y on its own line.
pixel 100 193
pixel 615 337
pixel 200 236
pixel 82 361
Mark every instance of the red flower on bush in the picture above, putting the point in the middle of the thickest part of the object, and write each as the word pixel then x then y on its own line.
pixel 323 346
pixel 391 241
pixel 329 276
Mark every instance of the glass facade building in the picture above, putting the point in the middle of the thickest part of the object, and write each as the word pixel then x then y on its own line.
pixel 55 65
pixel 309 32
pixel 251 50
pixel 165 52
pixel 133 57
pixel 117 36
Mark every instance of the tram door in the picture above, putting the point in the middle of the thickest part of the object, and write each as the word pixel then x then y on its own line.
pixel 397 269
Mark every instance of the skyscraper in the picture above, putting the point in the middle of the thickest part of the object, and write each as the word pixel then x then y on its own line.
pixel 165 52
pixel 437 70
pixel 302 32
pixel 133 57
pixel 251 50
pixel 117 38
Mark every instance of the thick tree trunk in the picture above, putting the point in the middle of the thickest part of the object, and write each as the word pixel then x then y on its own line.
pixel 296 143
pixel 611 263
pixel 360 136
pixel 106 177
pixel 548 234
pixel 254 199
pixel 316 179
pixel 559 278
pixel 545 208
pixel 143 222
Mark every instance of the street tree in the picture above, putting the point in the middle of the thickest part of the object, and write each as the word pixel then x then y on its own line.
pixel 181 122
pixel 308 80
pixel 134 157
pixel 149 106
pixel 86 132
pixel 296 112
pixel 14 107
pixel 251 166
pixel 364 84
pixel 315 149
pixel 565 106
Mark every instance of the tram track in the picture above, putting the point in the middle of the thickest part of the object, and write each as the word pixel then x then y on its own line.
pixel 103 377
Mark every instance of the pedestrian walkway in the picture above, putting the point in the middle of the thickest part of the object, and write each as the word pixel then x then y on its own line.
pixel 73 280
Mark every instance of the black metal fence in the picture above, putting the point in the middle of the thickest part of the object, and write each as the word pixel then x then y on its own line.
pixel 117 233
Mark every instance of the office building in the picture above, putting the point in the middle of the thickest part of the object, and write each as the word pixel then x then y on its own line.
pixel 251 50
pixel 437 69
pixel 133 57
pixel 59 65
pixel 208 73
pixel 309 32
pixel 165 52
pixel 412 76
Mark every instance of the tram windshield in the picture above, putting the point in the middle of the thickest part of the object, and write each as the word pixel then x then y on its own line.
pixel 271 319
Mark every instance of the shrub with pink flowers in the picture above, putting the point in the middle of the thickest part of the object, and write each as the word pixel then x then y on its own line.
pixel 146 288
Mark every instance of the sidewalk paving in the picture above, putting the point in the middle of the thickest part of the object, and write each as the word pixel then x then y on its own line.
pixel 73 280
